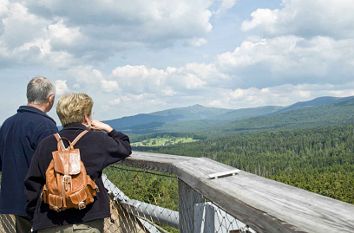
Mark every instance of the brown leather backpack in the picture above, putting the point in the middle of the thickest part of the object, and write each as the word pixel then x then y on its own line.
pixel 67 183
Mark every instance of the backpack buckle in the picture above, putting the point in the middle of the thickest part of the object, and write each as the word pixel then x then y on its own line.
pixel 55 208
pixel 67 183
pixel 82 205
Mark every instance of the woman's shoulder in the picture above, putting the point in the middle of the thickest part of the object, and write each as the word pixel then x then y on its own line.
pixel 97 135
pixel 50 139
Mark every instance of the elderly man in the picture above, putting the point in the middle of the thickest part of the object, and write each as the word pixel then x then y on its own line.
pixel 19 136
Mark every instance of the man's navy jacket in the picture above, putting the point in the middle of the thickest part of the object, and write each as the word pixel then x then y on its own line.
pixel 19 137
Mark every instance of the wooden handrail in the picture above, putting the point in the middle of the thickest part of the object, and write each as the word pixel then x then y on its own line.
pixel 265 205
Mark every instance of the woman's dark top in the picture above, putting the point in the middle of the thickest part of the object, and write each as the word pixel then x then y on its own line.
pixel 98 150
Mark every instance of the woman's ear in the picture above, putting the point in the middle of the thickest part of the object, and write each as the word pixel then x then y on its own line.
pixel 87 121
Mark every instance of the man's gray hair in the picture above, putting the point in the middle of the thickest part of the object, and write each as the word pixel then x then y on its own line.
pixel 39 89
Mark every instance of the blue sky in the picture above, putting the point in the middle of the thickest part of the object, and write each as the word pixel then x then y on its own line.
pixel 143 56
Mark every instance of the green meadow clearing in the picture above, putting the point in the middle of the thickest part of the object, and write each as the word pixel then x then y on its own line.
pixel 163 141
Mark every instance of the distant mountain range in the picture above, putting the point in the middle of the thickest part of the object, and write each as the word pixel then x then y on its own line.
pixel 322 111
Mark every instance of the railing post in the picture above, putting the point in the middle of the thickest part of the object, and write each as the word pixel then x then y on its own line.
pixel 187 200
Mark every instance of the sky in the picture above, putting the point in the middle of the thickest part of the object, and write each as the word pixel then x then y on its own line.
pixel 141 56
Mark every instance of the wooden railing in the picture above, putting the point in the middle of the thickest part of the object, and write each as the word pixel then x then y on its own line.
pixel 263 204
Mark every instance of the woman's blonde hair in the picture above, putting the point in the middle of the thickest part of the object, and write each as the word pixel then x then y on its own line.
pixel 72 108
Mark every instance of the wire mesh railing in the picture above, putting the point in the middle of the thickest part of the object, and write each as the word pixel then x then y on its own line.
pixel 210 218
pixel 7 223
pixel 201 215
pixel 151 197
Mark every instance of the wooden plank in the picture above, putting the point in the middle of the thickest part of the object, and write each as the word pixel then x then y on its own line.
pixel 265 205
pixel 153 161
pixel 217 175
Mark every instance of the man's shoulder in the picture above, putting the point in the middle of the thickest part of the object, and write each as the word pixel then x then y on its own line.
pixel 47 119
pixel 41 117
pixel 10 118
pixel 32 114
pixel 9 121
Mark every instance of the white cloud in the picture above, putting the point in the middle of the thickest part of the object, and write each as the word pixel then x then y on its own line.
pixel 128 104
pixel 197 42
pixel 86 33
pixel 62 34
pixel 109 85
pixel 41 46
pixel 61 87
pixel 261 18
pixel 140 79
pixel 19 25
pixel 333 18
pixel 289 59
pixel 109 26
pixel 169 81
pixel 225 5
pixel 86 75
pixel 282 95
pixel 27 38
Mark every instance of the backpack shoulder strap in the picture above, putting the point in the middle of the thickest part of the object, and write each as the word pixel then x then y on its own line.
pixel 57 137
pixel 78 137
pixel 59 141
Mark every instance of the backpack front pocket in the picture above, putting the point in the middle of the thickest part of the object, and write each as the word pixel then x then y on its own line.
pixel 55 202
pixel 79 196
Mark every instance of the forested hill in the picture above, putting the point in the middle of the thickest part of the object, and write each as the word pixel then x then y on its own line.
pixel 325 100
pixel 323 111
pixel 194 118
pixel 312 114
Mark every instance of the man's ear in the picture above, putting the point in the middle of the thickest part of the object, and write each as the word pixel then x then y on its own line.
pixel 51 98
pixel 50 103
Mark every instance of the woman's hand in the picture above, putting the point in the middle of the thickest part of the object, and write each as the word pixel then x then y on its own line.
pixel 98 125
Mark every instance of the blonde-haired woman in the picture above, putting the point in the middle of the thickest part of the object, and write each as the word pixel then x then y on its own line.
pixel 100 147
